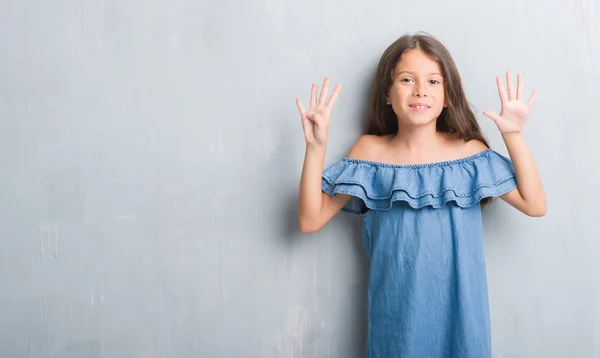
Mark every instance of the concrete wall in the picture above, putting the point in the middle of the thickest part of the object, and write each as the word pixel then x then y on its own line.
pixel 151 154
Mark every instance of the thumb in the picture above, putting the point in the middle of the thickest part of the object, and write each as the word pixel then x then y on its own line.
pixel 317 118
pixel 493 115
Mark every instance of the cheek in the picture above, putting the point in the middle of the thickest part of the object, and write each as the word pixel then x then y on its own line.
pixel 440 97
pixel 396 100
pixel 397 94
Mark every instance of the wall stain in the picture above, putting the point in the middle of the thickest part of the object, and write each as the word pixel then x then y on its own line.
pixel 585 12
pixel 49 237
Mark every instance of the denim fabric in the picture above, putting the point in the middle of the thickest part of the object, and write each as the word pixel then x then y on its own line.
pixel 422 232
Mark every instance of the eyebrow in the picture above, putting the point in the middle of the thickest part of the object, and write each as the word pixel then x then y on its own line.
pixel 412 73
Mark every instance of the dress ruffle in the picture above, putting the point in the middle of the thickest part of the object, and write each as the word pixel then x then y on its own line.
pixel 376 185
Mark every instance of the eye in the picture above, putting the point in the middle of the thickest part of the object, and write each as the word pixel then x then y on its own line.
pixel 406 80
pixel 435 82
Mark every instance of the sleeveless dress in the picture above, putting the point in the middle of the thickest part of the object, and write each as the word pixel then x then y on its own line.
pixel 422 233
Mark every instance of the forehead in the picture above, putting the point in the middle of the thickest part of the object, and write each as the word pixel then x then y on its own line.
pixel 418 62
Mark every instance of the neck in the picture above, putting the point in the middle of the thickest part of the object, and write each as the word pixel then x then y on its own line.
pixel 417 139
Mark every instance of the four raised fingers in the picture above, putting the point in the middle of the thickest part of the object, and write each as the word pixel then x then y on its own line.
pixel 323 101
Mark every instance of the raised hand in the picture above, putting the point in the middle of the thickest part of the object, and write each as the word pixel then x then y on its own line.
pixel 315 121
pixel 514 112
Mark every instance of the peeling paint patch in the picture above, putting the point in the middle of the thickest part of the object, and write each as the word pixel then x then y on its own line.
pixel 585 13
pixel 296 327
pixel 48 238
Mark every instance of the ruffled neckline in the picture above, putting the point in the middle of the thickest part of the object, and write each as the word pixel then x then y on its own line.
pixel 377 185
pixel 418 166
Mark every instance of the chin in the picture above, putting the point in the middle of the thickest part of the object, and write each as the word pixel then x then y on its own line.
pixel 420 120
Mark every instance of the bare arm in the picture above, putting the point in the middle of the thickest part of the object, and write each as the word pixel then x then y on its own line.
pixel 315 208
pixel 529 197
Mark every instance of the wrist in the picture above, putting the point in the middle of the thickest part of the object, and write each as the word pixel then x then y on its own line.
pixel 513 139
pixel 512 134
pixel 316 149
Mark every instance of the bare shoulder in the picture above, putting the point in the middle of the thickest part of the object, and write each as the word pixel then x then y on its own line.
pixel 473 147
pixel 367 146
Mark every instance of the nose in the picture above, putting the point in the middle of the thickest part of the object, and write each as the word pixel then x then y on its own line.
pixel 420 90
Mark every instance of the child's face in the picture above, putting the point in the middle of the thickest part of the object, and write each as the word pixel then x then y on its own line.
pixel 417 92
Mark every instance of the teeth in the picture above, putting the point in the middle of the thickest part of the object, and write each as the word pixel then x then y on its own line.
pixel 419 107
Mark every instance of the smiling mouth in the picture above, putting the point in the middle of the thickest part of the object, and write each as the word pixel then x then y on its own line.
pixel 419 106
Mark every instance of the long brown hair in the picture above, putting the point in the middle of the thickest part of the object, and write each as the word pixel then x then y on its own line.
pixel 457 119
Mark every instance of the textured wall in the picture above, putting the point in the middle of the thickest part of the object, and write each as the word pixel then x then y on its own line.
pixel 151 154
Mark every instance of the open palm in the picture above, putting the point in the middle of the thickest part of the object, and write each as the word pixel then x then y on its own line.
pixel 514 112
pixel 315 121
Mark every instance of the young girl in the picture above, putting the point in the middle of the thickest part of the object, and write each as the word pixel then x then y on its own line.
pixel 418 178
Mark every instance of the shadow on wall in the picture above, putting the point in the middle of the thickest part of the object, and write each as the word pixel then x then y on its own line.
pixel 348 229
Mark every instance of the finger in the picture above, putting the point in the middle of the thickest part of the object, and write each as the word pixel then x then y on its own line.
pixel 532 98
pixel 334 96
pixel 509 86
pixel 501 90
pixel 306 127
pixel 317 119
pixel 492 115
pixel 323 96
pixel 519 87
pixel 300 106
pixel 313 96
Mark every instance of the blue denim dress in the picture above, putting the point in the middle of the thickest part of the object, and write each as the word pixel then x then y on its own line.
pixel 422 232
